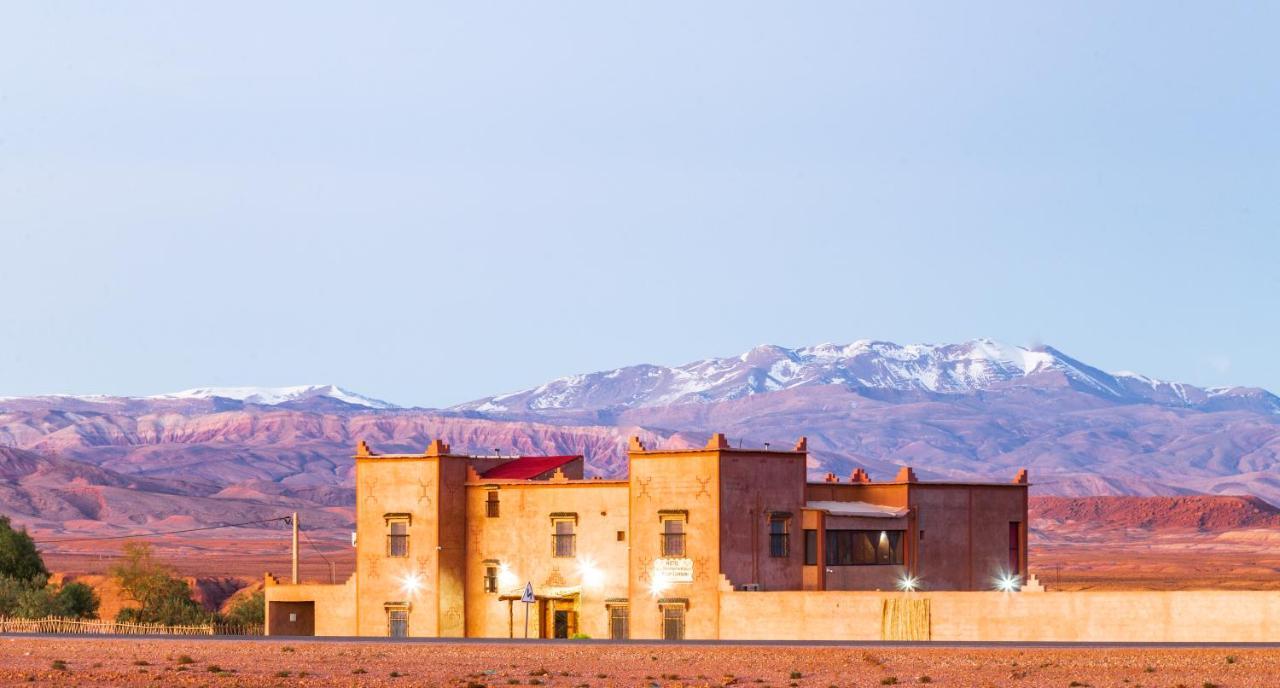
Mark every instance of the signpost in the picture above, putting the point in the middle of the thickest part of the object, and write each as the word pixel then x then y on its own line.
pixel 527 598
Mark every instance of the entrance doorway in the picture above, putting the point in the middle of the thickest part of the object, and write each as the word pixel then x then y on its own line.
pixel 291 618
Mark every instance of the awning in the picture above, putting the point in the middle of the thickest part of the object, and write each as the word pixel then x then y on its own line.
pixel 858 509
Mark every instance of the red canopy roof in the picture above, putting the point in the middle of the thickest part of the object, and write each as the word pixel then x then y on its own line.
pixel 527 467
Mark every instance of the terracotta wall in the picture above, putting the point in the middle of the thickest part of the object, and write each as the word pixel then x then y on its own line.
pixel 334 605
pixel 520 537
pixel 1178 616
pixel 966 533
pixel 753 485
pixel 675 481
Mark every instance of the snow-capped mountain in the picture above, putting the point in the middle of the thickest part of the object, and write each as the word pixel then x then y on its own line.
pixel 320 396
pixel 871 366
pixel 274 396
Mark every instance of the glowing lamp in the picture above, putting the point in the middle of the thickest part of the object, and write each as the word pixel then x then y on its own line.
pixel 908 583
pixel 1008 582
pixel 410 584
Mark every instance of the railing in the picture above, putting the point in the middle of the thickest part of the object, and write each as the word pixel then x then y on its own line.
pixel 97 627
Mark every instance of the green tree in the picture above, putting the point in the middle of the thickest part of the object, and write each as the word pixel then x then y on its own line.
pixel 161 596
pixel 77 600
pixel 249 610
pixel 19 558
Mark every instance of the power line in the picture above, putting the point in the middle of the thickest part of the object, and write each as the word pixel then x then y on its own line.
pixel 165 532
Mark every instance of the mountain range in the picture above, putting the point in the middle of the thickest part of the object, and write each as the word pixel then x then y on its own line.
pixel 974 410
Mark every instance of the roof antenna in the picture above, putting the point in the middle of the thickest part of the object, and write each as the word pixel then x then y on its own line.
pixel 497 452
pixel 766 446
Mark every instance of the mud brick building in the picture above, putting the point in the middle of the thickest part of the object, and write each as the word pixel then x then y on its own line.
pixel 446 543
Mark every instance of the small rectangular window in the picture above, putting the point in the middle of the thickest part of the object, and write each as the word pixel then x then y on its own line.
pixel 491 504
pixel 622 536
pixel 491 579
pixel 810 547
pixel 619 622
pixel 673 536
pixel 779 536
pixel 563 538
pixel 398 537
pixel 398 622
pixel 673 622
pixel 1015 548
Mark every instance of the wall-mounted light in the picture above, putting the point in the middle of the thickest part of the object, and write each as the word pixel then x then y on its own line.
pixel 1008 582
pixel 410 584
pixel 908 583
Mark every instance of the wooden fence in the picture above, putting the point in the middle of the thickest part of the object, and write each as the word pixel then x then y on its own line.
pixel 94 627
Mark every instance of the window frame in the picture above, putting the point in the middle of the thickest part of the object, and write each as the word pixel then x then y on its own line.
pixel 492 504
pixel 861 547
pixel 393 611
pixel 398 543
pixel 780 543
pixel 673 545
pixel 619 613
pixel 558 539
pixel 674 612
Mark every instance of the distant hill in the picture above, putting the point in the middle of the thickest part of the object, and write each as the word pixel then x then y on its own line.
pixel 976 410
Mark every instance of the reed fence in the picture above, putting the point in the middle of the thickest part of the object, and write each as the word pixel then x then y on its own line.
pixel 98 627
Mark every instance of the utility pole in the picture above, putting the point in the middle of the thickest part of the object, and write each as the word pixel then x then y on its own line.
pixel 295 547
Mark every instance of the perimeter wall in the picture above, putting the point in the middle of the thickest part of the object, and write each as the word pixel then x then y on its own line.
pixel 1154 616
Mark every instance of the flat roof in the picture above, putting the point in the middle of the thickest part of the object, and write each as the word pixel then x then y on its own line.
pixel 865 509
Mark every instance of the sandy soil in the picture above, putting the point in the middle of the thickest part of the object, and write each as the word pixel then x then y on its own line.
pixel 151 663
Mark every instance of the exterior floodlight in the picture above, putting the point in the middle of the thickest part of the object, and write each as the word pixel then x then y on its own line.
pixel 908 583
pixel 1008 582
pixel 506 578
pixel 592 576
pixel 410 584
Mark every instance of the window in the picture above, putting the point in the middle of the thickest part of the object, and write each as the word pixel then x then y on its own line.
pixel 673 536
pixel 397 536
pixel 810 547
pixel 491 578
pixel 619 622
pixel 562 540
pixel 398 622
pixel 491 504
pixel 673 622
pixel 864 547
pixel 1015 548
pixel 622 536
pixel 779 535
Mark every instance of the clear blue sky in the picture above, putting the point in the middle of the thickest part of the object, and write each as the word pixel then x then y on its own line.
pixel 432 204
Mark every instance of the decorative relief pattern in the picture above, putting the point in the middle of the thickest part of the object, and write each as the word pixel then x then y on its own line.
pixel 644 487
pixel 702 487
pixel 372 562
pixel 370 490
pixel 424 491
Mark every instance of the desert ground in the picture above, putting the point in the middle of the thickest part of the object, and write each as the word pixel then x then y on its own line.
pixel 96 662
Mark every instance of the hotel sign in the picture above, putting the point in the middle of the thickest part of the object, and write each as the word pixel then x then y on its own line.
pixel 673 570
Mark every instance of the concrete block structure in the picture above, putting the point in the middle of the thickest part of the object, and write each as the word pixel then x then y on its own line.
pixel 446 544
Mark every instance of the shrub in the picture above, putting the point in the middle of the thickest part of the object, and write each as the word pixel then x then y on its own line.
pixel 58 665
pixel 251 610
pixel 926 679
pixel 282 674
pixel 889 681
pixel 214 669
pixel 185 659
pixel 795 675
pixel 161 596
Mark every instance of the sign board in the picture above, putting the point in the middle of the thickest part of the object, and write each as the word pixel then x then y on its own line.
pixel 527 597
pixel 673 570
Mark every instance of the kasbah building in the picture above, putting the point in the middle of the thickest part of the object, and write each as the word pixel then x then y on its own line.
pixel 689 546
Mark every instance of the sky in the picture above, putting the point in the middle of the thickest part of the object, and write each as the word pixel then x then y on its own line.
pixel 429 203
